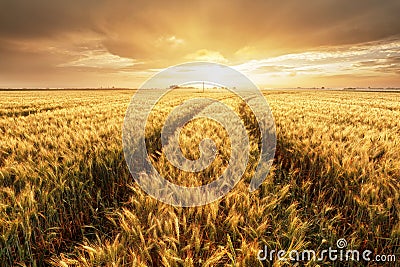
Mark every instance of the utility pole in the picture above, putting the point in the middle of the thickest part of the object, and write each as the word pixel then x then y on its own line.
pixel 203 87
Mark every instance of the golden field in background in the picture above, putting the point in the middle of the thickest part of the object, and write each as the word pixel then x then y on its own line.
pixel 68 199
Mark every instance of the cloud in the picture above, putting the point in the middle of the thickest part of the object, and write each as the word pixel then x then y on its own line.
pixel 388 65
pixel 44 18
pixel 100 59
pixel 207 55
pixel 328 59
pixel 133 27
pixel 172 41
pixel 372 59
pixel 51 35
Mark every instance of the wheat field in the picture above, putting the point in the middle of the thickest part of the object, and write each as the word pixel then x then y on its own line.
pixel 67 197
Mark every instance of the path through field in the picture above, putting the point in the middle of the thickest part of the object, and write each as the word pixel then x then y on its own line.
pixel 67 197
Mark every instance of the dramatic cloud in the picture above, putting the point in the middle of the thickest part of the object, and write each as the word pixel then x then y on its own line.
pixel 367 60
pixel 48 42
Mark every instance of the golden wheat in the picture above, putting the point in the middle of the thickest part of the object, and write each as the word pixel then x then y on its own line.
pixel 68 199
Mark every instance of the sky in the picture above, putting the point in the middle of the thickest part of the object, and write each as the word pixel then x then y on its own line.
pixel 122 43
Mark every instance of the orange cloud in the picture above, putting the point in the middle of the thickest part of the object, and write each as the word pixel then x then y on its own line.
pixel 279 43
